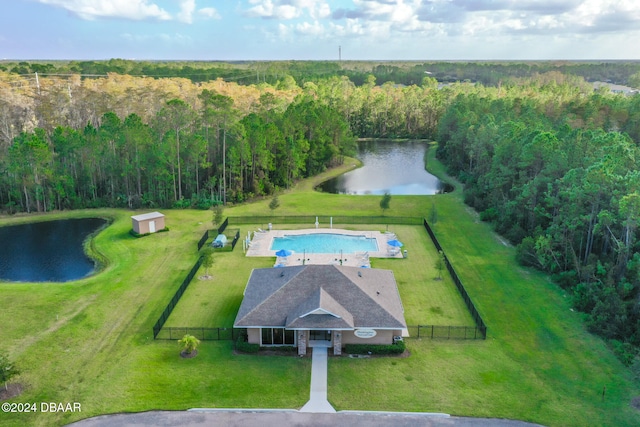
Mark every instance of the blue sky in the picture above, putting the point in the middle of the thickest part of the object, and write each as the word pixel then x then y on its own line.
pixel 314 29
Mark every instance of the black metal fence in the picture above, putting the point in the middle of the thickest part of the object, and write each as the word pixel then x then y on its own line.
pixel 203 239
pixel 205 236
pixel 176 297
pixel 445 332
pixel 325 220
pixel 223 226
pixel 231 334
pixel 420 331
pixel 463 292
pixel 203 334
pixel 236 237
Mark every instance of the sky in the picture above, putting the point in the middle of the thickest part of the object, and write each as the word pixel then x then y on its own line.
pixel 230 30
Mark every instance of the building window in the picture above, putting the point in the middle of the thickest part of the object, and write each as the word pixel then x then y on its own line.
pixel 289 337
pixel 278 336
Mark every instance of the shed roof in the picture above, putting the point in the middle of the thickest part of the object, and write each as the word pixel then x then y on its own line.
pixel 147 216
pixel 321 297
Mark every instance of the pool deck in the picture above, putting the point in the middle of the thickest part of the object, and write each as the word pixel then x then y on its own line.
pixel 262 240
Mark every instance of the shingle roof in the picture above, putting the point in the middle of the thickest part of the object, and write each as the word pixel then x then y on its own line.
pixel 322 297
pixel 150 215
pixel 320 306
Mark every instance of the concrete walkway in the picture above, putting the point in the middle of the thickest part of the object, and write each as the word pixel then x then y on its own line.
pixel 318 396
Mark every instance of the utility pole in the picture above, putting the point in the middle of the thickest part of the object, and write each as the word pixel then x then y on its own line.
pixel 37 83
pixel 339 53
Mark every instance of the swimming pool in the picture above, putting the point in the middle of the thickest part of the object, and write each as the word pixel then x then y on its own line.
pixel 325 243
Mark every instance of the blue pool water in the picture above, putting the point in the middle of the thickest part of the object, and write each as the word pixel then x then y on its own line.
pixel 324 243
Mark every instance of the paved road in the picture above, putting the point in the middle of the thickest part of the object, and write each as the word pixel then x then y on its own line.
pixel 263 418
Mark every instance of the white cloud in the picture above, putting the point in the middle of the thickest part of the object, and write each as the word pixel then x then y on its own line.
pixel 209 12
pixel 288 9
pixel 177 38
pixel 307 29
pixel 127 9
pixel 187 7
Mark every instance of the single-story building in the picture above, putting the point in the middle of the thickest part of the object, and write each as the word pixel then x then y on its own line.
pixel 329 305
pixel 148 223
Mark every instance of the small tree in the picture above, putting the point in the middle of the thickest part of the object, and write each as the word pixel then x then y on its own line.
pixel 433 215
pixel 274 203
pixel 440 264
pixel 218 211
pixel 189 343
pixel 384 203
pixel 7 370
pixel 207 259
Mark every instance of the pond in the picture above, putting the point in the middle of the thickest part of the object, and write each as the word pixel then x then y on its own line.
pixel 50 251
pixel 388 166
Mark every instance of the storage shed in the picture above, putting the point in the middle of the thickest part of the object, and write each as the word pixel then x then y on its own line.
pixel 148 223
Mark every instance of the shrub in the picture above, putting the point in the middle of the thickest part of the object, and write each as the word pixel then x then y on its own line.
pixel 282 348
pixel 526 253
pixel 489 215
pixel 397 348
pixel 189 343
pixel 136 235
pixel 245 347
pixel 624 351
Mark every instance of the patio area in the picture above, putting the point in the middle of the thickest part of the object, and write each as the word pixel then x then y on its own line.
pixel 262 240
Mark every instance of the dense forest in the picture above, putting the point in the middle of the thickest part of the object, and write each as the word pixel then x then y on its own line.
pixel 69 142
pixel 406 73
pixel 554 168
pixel 548 160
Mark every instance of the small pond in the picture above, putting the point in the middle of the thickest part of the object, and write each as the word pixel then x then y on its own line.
pixel 50 251
pixel 388 166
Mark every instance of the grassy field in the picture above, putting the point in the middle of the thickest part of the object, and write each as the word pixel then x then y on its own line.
pixel 90 341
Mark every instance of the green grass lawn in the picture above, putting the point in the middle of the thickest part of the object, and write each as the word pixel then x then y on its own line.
pixel 90 341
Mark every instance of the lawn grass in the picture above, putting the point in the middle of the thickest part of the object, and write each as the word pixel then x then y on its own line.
pixel 214 302
pixel 90 341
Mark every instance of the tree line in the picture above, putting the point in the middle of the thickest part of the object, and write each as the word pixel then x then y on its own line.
pixel 554 168
pixel 490 73
pixel 72 142
pixel 181 157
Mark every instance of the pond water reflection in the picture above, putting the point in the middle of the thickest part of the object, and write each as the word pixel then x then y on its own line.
pixel 388 166
pixel 50 251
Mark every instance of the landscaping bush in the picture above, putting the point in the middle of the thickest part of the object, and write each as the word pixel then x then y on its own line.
pixel 397 348
pixel 138 235
pixel 243 346
pixel 283 349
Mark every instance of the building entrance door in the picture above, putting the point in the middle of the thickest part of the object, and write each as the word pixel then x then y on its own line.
pixel 320 335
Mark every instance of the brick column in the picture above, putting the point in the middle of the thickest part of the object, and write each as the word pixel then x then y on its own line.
pixel 337 343
pixel 302 343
